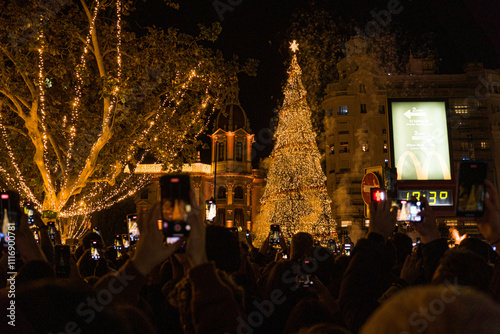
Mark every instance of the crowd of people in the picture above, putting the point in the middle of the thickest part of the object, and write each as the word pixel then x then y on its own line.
pixel 220 284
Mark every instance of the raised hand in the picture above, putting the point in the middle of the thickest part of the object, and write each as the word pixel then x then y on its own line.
pixel 412 268
pixel 25 242
pixel 427 227
pixel 195 248
pixel 150 250
pixel 489 224
pixel 382 218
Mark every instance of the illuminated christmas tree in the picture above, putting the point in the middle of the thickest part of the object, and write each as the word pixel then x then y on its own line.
pixel 295 196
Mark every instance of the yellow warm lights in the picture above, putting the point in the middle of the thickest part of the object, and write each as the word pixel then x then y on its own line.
pixel 295 196
pixel 76 190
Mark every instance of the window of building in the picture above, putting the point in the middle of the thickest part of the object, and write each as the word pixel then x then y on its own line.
pixel 381 109
pixel 220 218
pixel 460 109
pixel 484 145
pixel 465 146
pixel 345 223
pixel 363 108
pixel 329 112
pixel 238 192
pixel 342 110
pixel 428 65
pixel 364 147
pixel 221 192
pixel 239 151
pixel 344 147
pixel 239 217
pixel 385 146
pixel 145 194
pixel 221 151
pixel 362 88
pixel 344 132
pixel 332 149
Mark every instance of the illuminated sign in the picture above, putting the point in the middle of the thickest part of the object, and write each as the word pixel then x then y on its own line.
pixel 420 140
pixel 434 197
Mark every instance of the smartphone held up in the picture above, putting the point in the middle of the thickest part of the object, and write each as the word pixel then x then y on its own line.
pixel 62 255
pixel 175 206
pixel 471 188
pixel 9 215
pixel 274 235
pixel 409 211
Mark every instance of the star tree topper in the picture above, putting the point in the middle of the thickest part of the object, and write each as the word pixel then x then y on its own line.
pixel 294 46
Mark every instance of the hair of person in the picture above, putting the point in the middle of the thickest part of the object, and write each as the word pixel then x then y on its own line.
pixel 477 246
pixel 324 328
pixel 463 267
pixel 301 245
pixel 448 309
pixel 222 248
pixel 89 237
pixel 306 313
pixel 33 271
pixel 49 305
pixel 404 246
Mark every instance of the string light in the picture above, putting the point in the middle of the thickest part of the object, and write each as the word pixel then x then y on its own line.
pixel 21 184
pixel 295 196
pixel 41 82
pixel 66 196
pixel 78 96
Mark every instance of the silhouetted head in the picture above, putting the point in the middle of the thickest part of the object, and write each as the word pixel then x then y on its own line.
pixel 51 305
pixel 404 246
pixel 33 271
pixel 301 245
pixel 306 313
pixel 463 267
pixel 477 246
pixel 223 248
pixel 324 328
pixel 435 309
pixel 89 237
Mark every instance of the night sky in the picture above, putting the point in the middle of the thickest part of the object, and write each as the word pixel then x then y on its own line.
pixel 460 32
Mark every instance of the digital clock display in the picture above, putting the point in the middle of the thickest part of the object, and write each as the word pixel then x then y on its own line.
pixel 434 197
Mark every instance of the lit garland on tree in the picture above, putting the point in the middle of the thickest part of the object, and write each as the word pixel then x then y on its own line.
pixel 295 196
pixel 95 99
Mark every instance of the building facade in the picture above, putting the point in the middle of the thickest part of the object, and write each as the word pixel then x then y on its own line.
pixel 238 187
pixel 357 123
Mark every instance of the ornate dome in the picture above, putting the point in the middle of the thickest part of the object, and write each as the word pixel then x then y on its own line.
pixel 232 117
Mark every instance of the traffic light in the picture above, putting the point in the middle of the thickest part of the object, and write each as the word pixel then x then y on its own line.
pixel 391 182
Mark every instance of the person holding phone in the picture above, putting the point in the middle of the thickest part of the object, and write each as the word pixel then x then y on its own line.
pixel 213 305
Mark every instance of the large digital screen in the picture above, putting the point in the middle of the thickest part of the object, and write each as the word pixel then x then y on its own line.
pixel 420 140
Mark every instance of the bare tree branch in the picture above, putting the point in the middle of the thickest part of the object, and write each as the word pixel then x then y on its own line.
pixel 57 152
pixel 31 87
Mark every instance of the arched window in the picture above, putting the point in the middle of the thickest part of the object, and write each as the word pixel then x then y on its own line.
pixel 362 88
pixel 239 217
pixel 221 192
pixel 239 151
pixel 221 151
pixel 238 193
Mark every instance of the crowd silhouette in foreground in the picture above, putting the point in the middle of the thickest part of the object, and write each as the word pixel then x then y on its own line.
pixel 223 285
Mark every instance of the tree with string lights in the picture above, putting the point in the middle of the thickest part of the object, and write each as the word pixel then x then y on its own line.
pixel 83 100
pixel 295 195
